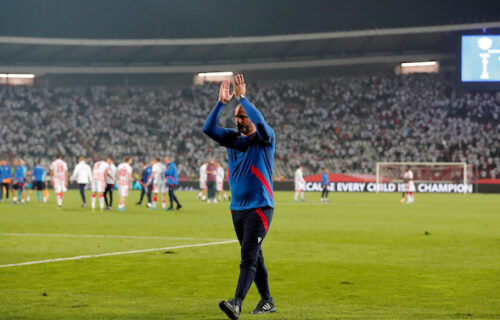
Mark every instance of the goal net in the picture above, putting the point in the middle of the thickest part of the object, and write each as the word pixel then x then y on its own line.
pixel 444 176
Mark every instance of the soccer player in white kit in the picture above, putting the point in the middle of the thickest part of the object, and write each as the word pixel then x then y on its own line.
pixel 59 177
pixel 219 181
pixel 203 182
pixel 99 177
pixel 300 184
pixel 159 184
pixel 410 186
pixel 124 181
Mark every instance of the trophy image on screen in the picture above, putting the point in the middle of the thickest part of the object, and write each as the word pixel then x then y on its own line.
pixel 484 43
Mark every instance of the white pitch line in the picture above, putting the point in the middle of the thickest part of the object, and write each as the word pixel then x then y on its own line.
pixel 101 236
pixel 117 253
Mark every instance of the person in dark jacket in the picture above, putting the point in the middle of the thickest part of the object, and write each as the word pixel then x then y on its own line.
pixel 172 182
pixel 146 189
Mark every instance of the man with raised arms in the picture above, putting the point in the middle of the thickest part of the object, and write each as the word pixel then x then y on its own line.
pixel 250 151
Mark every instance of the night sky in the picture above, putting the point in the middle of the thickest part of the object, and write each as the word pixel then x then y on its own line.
pixel 217 18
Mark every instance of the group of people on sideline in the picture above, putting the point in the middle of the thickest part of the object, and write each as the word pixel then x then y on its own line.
pixel 212 182
pixel 300 185
pixel 158 179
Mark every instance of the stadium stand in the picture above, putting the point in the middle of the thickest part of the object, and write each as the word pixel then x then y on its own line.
pixel 419 117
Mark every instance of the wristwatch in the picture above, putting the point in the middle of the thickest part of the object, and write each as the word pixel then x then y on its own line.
pixel 240 97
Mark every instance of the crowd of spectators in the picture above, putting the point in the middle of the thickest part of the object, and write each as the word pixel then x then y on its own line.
pixel 345 124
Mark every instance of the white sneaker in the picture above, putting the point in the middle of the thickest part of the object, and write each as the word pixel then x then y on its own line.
pixel 215 200
pixel 209 201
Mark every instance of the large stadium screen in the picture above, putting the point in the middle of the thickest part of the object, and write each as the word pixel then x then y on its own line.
pixel 481 58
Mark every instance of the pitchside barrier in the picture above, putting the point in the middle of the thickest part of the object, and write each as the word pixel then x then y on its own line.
pixel 391 187
pixel 315 186
pixel 426 187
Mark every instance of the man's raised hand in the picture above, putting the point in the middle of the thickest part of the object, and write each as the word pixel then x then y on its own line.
pixel 224 95
pixel 239 85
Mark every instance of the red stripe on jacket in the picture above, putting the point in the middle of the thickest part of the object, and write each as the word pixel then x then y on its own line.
pixel 260 176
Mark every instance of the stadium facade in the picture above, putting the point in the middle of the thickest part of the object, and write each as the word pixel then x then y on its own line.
pixel 58 62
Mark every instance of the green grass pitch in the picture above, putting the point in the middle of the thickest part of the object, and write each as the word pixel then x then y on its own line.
pixel 362 256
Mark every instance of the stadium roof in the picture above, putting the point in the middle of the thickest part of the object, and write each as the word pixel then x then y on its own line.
pixel 146 19
pixel 118 56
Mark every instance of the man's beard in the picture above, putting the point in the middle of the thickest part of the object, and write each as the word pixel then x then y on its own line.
pixel 242 129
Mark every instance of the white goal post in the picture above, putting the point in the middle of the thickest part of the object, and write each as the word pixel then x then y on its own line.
pixel 437 172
